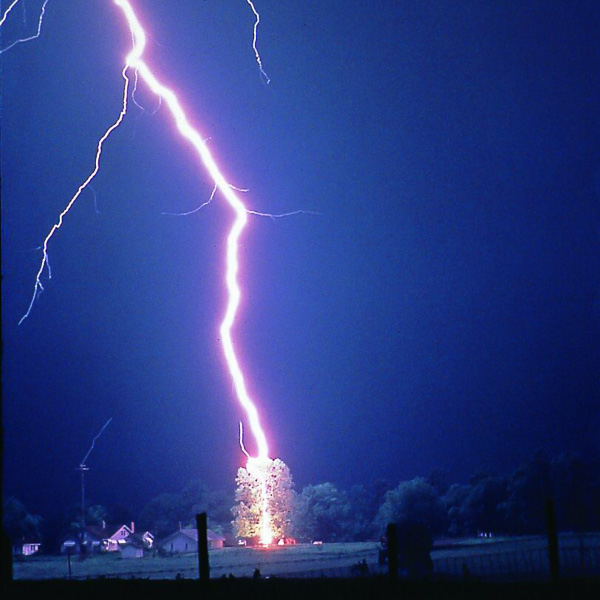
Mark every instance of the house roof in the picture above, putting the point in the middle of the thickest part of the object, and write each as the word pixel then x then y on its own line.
pixel 106 530
pixel 27 540
pixel 211 536
pixel 135 540
pixel 214 537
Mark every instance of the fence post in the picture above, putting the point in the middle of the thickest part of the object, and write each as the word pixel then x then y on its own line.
pixel 203 566
pixel 392 550
pixel 552 540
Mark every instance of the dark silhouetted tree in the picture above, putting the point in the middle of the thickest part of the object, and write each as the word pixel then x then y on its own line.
pixel 453 501
pixel 413 501
pixel 96 515
pixel 163 514
pixel 574 481
pixel 529 486
pixel 483 507
pixel 19 523
pixel 121 514
pixel 439 480
pixel 323 512
pixel 166 512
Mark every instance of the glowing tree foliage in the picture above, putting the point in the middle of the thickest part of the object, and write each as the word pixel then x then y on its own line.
pixel 277 495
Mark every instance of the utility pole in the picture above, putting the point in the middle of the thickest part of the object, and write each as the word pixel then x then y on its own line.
pixel 203 566
pixel 392 550
pixel 82 468
pixel 552 534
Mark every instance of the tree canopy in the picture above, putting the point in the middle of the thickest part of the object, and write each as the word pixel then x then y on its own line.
pixel 18 523
pixel 280 495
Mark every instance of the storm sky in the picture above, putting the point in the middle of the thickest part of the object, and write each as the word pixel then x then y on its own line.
pixel 441 310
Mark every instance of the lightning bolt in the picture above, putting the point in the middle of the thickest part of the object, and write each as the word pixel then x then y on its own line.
pixel 13 4
pixel 254 42
pixel 94 442
pixel 38 287
pixel 135 62
pixel 27 39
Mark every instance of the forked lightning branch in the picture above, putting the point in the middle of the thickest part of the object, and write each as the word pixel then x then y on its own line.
pixel 257 466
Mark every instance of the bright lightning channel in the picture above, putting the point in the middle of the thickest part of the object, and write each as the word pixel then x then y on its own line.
pixel 135 61
pixel 254 42
pixel 256 465
pixel 13 4
pixel 27 39
pixel 38 287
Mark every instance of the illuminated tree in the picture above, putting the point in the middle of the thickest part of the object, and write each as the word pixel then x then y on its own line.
pixel 280 496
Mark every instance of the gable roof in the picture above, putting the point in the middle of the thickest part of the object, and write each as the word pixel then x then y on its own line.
pixel 135 540
pixel 192 534
pixel 214 537
pixel 105 531
pixel 27 540
pixel 118 528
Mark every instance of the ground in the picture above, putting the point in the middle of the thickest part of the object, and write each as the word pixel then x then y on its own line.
pixel 302 559
pixel 498 559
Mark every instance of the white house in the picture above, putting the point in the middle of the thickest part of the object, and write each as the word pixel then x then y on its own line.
pixel 133 547
pixel 185 541
pixel 106 538
pixel 26 548
pixel 119 537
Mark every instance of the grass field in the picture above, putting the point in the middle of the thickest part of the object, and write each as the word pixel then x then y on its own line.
pixel 514 558
pixel 523 558
pixel 302 559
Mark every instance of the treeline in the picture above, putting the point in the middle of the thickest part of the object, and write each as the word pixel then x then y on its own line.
pixel 510 504
pixel 500 504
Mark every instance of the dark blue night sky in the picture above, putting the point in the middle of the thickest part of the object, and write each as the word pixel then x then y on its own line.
pixel 442 310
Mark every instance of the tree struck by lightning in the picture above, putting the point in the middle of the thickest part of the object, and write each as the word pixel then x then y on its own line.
pixel 259 467
pixel 277 488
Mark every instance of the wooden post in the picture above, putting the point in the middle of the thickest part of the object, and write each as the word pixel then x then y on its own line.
pixel 203 566
pixel 552 540
pixel 392 550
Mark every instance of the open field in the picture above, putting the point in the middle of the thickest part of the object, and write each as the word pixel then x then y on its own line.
pixel 302 559
pixel 517 558
pixel 500 559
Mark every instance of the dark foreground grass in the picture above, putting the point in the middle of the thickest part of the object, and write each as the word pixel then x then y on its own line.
pixel 306 589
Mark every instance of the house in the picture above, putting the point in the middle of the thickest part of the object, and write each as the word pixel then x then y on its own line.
pixel 147 538
pixel 133 547
pixel 120 535
pixel 26 547
pixel 70 545
pixel 214 540
pixel 186 541
pixel 88 541
pixel 104 538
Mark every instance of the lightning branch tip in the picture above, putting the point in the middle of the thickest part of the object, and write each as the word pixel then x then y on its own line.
pixel 27 39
